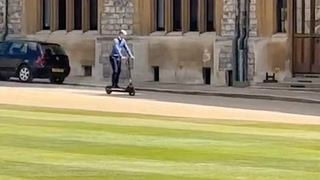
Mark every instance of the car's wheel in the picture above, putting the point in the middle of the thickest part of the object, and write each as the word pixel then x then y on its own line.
pixel 56 80
pixel 25 73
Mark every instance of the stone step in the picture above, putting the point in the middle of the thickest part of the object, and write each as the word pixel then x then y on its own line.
pixel 307 76
pixel 291 84
pixel 287 88
pixel 302 80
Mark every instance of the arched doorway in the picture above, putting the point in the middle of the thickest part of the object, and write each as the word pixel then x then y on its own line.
pixel 306 36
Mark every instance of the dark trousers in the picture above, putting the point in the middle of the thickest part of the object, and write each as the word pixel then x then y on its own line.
pixel 116 70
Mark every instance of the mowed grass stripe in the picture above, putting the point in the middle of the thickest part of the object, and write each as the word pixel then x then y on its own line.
pixel 103 163
pixel 128 147
pixel 165 142
pixel 162 132
pixel 4 177
pixel 163 118
pixel 39 171
pixel 196 155
pixel 163 124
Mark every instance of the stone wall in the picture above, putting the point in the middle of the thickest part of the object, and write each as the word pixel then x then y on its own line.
pixel 14 16
pixel 228 18
pixel 227 35
pixel 105 46
pixel 225 58
pixel 224 41
pixel 251 62
pixel 253 37
pixel 253 19
pixel 117 15
pixel 181 62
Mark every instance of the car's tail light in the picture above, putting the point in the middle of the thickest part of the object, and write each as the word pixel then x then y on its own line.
pixel 41 61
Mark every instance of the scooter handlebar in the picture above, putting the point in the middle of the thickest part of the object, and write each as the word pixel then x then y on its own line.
pixel 128 58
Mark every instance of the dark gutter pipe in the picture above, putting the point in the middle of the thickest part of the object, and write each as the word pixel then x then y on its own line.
pixel 240 43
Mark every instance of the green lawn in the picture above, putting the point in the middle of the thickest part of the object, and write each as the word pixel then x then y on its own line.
pixel 41 144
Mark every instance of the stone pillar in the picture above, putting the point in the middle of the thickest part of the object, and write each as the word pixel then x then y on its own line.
pixel 2 6
pixel 117 15
pixel 223 45
pixel 15 17
pixel 253 37
pixel 224 42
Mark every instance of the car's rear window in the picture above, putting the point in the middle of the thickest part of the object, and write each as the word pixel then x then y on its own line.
pixel 55 49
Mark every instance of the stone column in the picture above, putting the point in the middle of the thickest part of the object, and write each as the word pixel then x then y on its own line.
pixel 2 22
pixel 253 36
pixel 117 15
pixel 223 45
pixel 15 16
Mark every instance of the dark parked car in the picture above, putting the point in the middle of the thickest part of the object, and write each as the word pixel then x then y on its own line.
pixel 33 59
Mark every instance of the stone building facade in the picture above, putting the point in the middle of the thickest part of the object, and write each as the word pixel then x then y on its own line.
pixel 173 42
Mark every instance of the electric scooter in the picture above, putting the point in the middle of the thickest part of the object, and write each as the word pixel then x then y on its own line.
pixel 129 89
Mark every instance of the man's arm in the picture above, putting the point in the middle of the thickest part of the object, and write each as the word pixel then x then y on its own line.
pixel 128 49
pixel 116 44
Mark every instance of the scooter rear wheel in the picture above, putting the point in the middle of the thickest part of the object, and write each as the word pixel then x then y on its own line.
pixel 108 90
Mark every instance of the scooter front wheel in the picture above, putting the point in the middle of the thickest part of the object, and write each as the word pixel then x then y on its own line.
pixel 132 91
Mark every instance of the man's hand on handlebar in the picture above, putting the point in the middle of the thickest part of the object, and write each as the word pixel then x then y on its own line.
pixel 127 58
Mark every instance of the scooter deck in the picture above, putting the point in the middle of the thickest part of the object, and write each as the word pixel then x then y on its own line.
pixel 117 89
pixel 128 89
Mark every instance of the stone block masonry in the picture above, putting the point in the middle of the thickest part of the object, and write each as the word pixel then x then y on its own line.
pixel 14 16
pixel 2 6
pixel 253 19
pixel 228 33
pixel 225 57
pixel 228 23
pixel 117 15
pixel 228 18
pixel 105 47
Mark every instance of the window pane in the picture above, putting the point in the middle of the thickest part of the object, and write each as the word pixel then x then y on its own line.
pixel 281 13
pixel 210 15
pixel 55 49
pixel 176 15
pixel 193 15
pixel 307 16
pixel 3 47
pixel 32 46
pixel 18 49
pixel 299 16
pixel 160 15
pixel 62 15
pixel 317 17
pixel 93 15
pixel 77 14
pixel 45 15
pixel 303 16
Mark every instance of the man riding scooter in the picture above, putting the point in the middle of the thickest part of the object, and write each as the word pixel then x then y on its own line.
pixel 116 56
